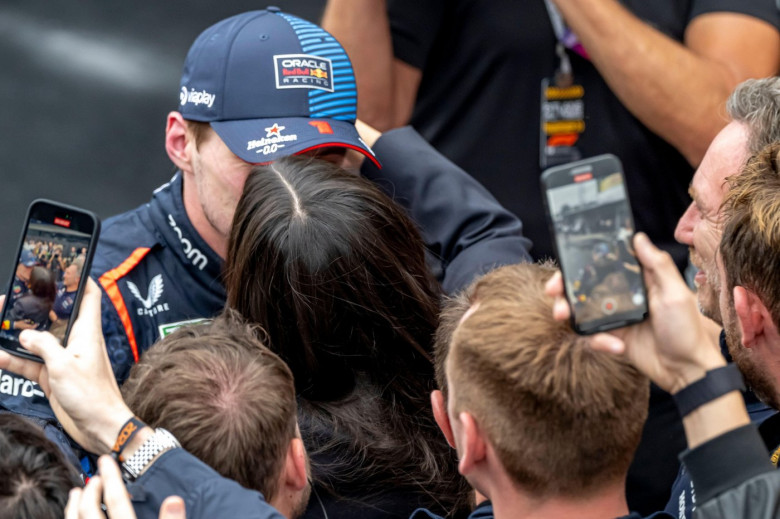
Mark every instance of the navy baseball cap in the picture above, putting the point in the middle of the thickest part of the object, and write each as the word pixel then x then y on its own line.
pixel 271 85
pixel 28 258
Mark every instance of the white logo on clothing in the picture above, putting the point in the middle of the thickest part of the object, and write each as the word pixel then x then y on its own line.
pixel 152 296
pixel 197 258
pixel 16 386
pixel 155 291
pixel 303 71
pixel 196 98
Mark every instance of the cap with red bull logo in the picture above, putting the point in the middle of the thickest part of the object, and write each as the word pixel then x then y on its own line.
pixel 271 85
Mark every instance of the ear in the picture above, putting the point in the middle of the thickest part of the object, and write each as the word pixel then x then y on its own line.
pixel 439 407
pixel 295 473
pixel 176 142
pixel 472 444
pixel 751 314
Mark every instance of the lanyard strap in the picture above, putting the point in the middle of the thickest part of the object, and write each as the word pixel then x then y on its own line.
pixel 566 38
pixel 556 20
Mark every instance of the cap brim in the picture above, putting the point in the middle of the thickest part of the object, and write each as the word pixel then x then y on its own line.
pixel 259 141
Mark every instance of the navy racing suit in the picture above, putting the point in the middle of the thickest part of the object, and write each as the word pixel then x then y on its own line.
pixel 156 273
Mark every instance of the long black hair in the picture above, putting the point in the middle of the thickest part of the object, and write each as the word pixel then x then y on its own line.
pixel 335 272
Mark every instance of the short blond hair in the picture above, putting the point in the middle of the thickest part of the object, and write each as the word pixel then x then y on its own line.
pixel 565 420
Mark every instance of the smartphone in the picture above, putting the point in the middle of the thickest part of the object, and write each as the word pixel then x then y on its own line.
pixel 590 219
pixel 42 298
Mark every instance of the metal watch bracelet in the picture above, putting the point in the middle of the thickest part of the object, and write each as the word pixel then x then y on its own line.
pixel 155 445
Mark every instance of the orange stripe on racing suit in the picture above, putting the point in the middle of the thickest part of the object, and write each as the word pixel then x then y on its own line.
pixel 108 281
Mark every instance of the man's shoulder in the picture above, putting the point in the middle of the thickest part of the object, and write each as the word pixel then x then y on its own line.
pixel 136 232
pixel 27 302
pixel 120 236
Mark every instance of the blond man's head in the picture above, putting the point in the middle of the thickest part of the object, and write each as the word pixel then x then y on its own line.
pixel 563 419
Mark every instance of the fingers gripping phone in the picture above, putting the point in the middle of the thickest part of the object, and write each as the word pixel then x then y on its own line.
pixel 590 218
pixel 40 296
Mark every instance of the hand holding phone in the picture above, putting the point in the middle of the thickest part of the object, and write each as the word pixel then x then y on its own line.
pixel 33 292
pixel 590 218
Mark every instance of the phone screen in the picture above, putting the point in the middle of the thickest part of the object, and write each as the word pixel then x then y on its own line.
pixel 49 273
pixel 591 220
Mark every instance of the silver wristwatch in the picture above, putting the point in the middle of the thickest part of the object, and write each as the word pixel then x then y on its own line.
pixel 155 445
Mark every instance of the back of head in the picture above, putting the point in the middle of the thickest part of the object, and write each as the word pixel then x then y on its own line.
pixel 756 103
pixel 335 272
pixel 750 245
pixel 42 283
pixel 34 477
pixel 565 420
pixel 227 398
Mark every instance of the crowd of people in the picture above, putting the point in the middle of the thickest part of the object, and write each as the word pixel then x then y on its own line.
pixel 44 287
pixel 55 256
pixel 315 318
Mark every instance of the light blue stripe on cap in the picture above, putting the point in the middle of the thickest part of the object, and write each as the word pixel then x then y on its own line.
pixel 342 102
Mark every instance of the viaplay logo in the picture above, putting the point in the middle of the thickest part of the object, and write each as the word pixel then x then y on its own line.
pixel 303 71
pixel 195 97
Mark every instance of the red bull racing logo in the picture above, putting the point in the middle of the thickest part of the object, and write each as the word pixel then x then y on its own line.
pixel 303 71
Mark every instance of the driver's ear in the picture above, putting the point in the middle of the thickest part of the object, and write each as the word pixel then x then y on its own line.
pixel 177 142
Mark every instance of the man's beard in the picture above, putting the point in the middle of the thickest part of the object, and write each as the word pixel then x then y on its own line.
pixel 303 503
pixel 707 295
pixel 756 378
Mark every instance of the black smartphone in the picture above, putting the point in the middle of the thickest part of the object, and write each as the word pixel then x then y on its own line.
pixel 42 298
pixel 590 219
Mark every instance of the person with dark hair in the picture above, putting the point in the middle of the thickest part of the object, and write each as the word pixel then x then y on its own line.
pixel 32 310
pixel 229 401
pixel 335 272
pixel 35 478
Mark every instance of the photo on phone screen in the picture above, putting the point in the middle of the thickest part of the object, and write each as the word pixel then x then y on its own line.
pixel 590 218
pixel 49 273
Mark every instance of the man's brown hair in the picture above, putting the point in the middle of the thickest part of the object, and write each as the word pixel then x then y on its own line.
pixel 227 398
pixel 750 245
pixel 36 477
pixel 565 420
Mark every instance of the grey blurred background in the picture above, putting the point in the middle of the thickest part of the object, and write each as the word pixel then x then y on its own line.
pixel 85 87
